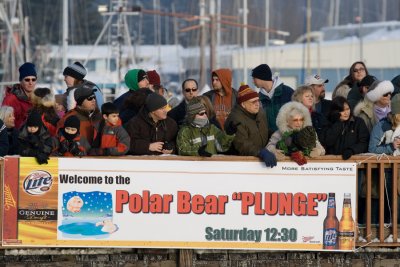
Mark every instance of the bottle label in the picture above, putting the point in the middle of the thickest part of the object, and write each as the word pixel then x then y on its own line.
pixel 330 235
pixel 346 234
pixel 331 203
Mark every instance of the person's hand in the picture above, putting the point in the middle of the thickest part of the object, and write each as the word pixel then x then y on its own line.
pixel 156 146
pixel 268 157
pixel 63 148
pixel 42 158
pixel 347 153
pixel 298 157
pixel 74 149
pixel 232 128
pixel 202 151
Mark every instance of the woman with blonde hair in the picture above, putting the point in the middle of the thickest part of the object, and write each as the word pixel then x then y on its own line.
pixel 7 116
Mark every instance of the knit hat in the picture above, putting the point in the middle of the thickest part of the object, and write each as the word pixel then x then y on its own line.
pixel 141 75
pixel 262 72
pixel 43 96
pixel 34 119
pixel 245 93
pixel 315 79
pixel 27 69
pixel 82 92
pixel 154 101
pixel 378 89
pixel 153 77
pixel 367 81
pixel 131 79
pixel 75 70
pixel 73 122
pixel 194 107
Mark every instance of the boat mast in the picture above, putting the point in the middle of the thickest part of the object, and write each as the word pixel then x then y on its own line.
pixel 65 34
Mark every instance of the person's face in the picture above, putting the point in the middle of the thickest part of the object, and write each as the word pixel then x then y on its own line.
pixel 70 130
pixel 296 122
pixel 384 101
pixel 10 120
pixel 28 83
pixel 112 118
pixel 144 83
pixel 267 85
pixel 252 105
pixel 319 91
pixel 89 103
pixel 190 90
pixel 359 72
pixel 345 114
pixel 69 81
pixel 160 114
pixel 32 129
pixel 216 83
pixel 307 99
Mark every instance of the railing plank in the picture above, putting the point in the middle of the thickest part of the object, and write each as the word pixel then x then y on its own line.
pixel 381 202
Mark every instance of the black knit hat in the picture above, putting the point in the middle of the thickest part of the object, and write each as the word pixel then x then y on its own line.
pixel 27 69
pixel 154 101
pixel 75 70
pixel 34 119
pixel 141 75
pixel 82 92
pixel 262 72
pixel 72 122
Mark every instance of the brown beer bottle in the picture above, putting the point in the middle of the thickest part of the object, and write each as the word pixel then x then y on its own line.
pixel 346 226
pixel 331 225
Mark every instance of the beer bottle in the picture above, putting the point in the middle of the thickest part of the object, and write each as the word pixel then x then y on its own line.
pixel 331 225
pixel 346 225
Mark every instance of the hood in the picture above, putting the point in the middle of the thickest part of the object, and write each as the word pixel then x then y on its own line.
pixel 283 115
pixel 365 106
pixel 131 79
pixel 225 76
pixel 17 90
pixel 276 81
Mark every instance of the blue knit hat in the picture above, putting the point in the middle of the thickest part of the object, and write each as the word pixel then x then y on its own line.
pixel 27 69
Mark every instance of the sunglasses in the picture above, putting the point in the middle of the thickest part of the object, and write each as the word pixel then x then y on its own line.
pixel 90 98
pixel 187 90
pixel 201 113
pixel 387 94
pixel 30 80
pixel 358 70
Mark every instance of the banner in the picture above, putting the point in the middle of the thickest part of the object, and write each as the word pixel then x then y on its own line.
pixel 166 203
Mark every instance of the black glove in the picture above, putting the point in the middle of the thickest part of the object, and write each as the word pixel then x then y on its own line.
pixel 202 151
pixel 42 158
pixel 305 138
pixel 63 148
pixel 347 153
pixel 74 149
pixel 232 128
pixel 268 158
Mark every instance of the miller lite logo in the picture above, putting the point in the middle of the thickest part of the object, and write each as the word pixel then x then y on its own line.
pixel 330 237
pixel 38 183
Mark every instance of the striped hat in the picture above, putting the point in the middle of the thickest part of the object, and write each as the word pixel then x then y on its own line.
pixel 75 70
pixel 245 93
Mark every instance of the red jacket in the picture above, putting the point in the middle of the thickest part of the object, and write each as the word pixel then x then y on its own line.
pixel 16 97
pixel 115 141
pixel 82 143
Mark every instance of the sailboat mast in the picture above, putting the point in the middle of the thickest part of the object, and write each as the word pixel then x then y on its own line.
pixel 65 34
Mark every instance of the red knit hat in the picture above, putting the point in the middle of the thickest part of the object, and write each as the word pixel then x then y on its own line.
pixel 154 78
pixel 245 93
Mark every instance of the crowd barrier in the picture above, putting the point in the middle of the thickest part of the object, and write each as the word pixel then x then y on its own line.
pixel 376 169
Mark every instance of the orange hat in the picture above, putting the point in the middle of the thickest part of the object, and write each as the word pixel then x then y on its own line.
pixel 245 93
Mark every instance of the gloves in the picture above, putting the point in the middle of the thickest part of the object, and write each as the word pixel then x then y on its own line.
pixel 298 157
pixel 202 151
pixel 305 138
pixel 74 149
pixel 347 153
pixel 42 158
pixel 268 158
pixel 232 128
pixel 63 148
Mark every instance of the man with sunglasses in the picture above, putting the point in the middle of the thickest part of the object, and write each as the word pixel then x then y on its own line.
pixel 189 91
pixel 86 110
pixel 19 95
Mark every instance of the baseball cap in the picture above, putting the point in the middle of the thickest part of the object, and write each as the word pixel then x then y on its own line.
pixel 315 79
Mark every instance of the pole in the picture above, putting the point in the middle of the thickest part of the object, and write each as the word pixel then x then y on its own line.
pixel 267 27
pixel 360 10
pixel 245 42
pixel 65 34
pixel 202 44
pixel 308 36
pixel 213 36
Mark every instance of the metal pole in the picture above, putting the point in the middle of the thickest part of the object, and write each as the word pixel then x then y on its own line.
pixel 267 27
pixel 308 36
pixel 360 7
pixel 245 42
pixel 202 44
pixel 213 35
pixel 65 34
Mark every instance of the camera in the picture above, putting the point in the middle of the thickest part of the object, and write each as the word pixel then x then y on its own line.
pixel 168 146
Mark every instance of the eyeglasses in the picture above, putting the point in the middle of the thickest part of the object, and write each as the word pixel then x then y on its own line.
pixel 90 98
pixel 201 113
pixel 30 80
pixel 188 90
pixel 387 94
pixel 358 70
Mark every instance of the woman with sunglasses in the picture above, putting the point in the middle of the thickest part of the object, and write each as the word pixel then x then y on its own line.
pixel 357 72
pixel 198 137
pixel 376 103
pixel 19 95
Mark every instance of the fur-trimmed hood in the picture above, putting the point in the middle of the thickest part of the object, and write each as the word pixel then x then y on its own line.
pixel 43 97
pixel 365 106
pixel 285 110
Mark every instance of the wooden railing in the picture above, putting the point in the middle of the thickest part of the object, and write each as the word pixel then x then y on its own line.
pixel 375 235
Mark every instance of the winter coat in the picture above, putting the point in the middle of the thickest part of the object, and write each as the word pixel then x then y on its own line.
pixel 13 142
pixel 70 93
pixel 342 89
pixel 33 144
pixel 341 135
pixel 178 113
pixel 60 140
pixel 323 107
pixel 133 101
pixel 378 142
pixel 49 118
pixel 283 127
pixel 191 138
pixel 87 120
pixel 16 97
pixel 320 123
pixel 115 141
pixel 252 131
pixel 143 131
pixel 365 110
pixel 223 104
pixel 4 146
pixel 282 95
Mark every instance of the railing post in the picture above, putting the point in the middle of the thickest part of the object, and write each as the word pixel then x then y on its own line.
pixel 368 200
pixel 381 201
pixel 394 198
